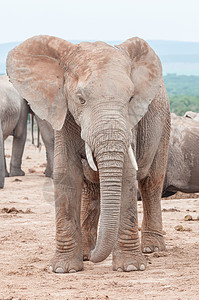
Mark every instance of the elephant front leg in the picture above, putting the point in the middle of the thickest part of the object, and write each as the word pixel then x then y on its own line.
pixel 69 254
pixel 68 179
pixel 127 255
pixel 90 210
pixel 151 191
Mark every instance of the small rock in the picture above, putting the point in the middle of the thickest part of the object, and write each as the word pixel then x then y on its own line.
pixel 188 218
pixel 31 170
pixel 28 211
pixel 43 165
pixel 179 228
pixel 17 180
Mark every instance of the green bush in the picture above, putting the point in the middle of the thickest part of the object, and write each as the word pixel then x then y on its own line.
pixel 183 93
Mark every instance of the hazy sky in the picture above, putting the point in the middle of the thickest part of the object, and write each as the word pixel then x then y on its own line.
pixel 100 19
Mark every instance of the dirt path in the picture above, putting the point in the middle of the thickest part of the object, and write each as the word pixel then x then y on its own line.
pixel 27 230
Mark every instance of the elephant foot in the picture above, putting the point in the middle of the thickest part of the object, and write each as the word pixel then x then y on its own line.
pixel 7 174
pixel 62 263
pixel 152 242
pixel 48 172
pixel 1 184
pixel 16 172
pixel 127 262
pixel 88 245
pixel 2 180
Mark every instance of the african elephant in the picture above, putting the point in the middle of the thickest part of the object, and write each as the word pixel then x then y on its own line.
pixel 13 121
pixel 109 108
pixel 182 172
pixel 192 115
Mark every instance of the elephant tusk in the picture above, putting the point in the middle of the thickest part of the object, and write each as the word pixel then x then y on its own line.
pixel 89 157
pixel 132 158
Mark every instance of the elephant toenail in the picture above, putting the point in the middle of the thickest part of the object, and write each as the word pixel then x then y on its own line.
pixel 142 267
pixel 50 268
pixel 72 271
pixel 131 268
pixel 119 270
pixel 156 249
pixel 59 270
pixel 85 258
pixel 147 250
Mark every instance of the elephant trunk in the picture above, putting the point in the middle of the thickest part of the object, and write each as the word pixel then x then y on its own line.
pixel 110 159
pixel 2 161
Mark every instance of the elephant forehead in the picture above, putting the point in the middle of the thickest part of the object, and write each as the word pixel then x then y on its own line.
pixel 100 57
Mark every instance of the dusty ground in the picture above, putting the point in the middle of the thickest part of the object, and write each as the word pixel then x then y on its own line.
pixel 27 230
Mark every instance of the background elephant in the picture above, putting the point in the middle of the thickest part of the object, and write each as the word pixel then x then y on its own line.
pixel 192 115
pixel 183 160
pixel 13 121
pixel 105 103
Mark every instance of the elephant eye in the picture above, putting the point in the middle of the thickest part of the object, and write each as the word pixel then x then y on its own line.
pixel 82 100
pixel 130 99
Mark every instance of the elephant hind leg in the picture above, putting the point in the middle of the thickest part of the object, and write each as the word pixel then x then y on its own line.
pixel 151 192
pixel 152 237
pixel 90 209
pixel 2 160
pixel 6 171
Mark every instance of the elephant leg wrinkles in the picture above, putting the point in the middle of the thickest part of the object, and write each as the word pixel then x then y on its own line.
pixel 90 210
pixel 151 191
pixel 68 180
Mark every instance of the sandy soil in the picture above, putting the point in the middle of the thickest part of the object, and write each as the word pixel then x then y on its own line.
pixel 27 230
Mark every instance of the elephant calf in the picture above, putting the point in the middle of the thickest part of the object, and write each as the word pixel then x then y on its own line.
pixel 183 160
pixel 13 121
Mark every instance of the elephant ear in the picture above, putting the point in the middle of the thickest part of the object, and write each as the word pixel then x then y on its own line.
pixel 146 75
pixel 36 70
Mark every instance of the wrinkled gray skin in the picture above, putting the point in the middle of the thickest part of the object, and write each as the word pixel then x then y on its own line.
pixel 13 121
pixel 183 160
pixel 104 99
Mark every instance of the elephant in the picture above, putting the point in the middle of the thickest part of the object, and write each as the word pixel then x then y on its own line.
pixel 110 112
pixel 182 172
pixel 192 115
pixel 13 121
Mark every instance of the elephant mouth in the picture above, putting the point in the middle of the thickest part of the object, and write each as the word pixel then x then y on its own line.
pixel 89 156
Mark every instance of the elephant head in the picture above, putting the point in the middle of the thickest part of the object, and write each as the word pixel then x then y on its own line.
pixel 106 89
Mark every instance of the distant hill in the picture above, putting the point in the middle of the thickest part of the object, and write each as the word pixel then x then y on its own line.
pixel 181 58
